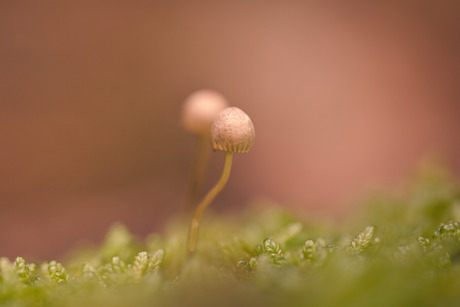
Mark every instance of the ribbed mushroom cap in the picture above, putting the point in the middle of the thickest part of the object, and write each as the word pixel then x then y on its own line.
pixel 200 109
pixel 232 130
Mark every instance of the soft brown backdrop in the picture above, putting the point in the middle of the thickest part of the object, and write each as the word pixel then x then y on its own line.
pixel 345 96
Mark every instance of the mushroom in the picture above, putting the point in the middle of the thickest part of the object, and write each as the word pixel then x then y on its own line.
pixel 198 112
pixel 232 131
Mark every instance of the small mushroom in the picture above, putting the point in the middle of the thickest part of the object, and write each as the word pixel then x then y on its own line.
pixel 232 131
pixel 198 113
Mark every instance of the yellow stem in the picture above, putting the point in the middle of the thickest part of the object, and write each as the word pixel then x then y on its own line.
pixel 207 200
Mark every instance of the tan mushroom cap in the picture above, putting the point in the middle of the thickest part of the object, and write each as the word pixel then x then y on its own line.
pixel 232 130
pixel 200 109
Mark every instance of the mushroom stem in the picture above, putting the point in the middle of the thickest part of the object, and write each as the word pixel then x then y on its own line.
pixel 208 199
pixel 197 174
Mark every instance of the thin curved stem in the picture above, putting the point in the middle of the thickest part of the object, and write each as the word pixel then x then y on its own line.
pixel 208 199
pixel 197 173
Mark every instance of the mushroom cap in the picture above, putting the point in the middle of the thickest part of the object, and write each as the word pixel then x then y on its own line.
pixel 232 130
pixel 200 109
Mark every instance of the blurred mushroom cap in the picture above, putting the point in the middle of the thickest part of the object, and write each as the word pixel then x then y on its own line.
pixel 200 109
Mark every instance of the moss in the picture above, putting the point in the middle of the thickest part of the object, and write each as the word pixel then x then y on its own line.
pixel 406 253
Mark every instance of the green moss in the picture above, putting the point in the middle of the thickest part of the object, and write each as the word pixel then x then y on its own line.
pixel 402 251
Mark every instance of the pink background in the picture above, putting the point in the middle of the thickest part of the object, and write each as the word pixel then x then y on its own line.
pixel 345 96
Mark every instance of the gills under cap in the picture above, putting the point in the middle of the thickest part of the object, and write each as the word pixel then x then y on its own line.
pixel 232 130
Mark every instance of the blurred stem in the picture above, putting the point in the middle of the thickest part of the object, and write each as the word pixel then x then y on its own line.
pixel 208 199
pixel 197 174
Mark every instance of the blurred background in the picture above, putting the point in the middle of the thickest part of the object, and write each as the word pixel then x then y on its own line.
pixel 346 97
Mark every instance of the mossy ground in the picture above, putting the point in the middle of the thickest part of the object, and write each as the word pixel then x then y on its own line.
pixel 400 251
